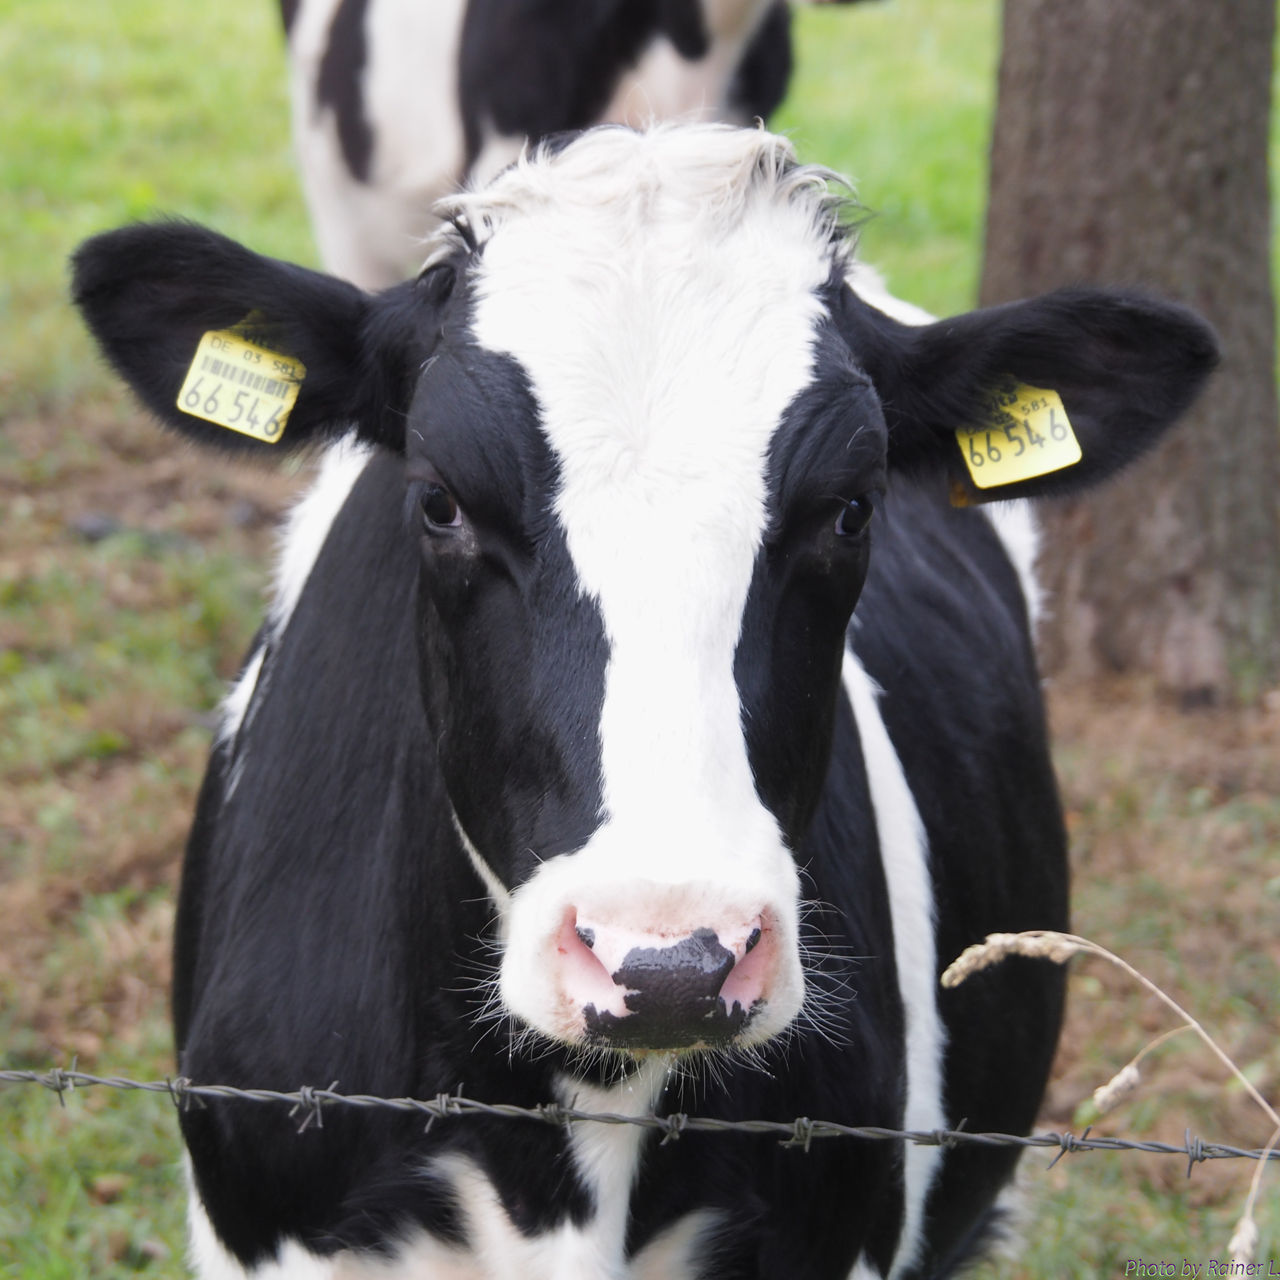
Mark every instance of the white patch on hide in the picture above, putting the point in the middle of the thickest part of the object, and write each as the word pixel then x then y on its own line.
pixel 662 85
pixel 864 1269
pixel 209 1260
pixel 867 282
pixel 236 703
pixel 1018 529
pixel 302 535
pixel 904 854
pixel 607 1156
pixel 676 1253
pixel 307 526
pixel 498 892
pixel 371 232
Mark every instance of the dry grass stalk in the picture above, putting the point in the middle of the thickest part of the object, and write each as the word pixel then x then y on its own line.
pixel 1060 947
pixel 1244 1240
pixel 1110 1095
pixel 1040 944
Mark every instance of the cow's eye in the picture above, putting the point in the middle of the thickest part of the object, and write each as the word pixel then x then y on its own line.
pixel 439 508
pixel 854 517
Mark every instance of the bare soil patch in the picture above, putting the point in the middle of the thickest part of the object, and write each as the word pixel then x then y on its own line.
pixel 131 569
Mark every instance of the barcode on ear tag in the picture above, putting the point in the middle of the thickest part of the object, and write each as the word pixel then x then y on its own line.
pixel 1026 434
pixel 241 386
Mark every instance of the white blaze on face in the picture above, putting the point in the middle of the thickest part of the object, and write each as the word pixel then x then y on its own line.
pixel 663 304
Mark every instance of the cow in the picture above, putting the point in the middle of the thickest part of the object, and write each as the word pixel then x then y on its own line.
pixel 563 768
pixel 398 102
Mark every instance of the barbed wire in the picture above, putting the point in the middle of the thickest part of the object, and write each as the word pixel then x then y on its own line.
pixel 800 1132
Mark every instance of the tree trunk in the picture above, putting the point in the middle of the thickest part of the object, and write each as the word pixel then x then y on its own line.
pixel 1130 148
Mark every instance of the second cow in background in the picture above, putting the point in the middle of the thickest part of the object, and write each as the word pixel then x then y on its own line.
pixel 399 102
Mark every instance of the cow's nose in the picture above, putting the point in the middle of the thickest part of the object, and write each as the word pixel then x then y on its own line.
pixel 641 990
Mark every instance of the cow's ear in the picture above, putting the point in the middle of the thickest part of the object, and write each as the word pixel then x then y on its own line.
pixel 150 294
pixel 1124 365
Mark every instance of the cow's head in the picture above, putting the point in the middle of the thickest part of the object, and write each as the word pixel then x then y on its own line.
pixel 646 425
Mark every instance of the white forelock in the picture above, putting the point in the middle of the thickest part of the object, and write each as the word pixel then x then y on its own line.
pixel 710 174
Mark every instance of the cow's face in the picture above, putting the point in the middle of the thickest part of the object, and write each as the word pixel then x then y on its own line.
pixel 644 465
pixel 644 427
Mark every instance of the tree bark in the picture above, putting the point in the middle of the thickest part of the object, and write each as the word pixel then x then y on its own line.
pixel 1130 148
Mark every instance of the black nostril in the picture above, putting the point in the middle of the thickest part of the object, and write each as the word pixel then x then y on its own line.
pixel 587 937
pixel 751 941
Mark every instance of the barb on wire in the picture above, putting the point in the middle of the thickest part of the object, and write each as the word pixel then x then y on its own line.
pixel 801 1135
pixel 673 1126
pixel 799 1132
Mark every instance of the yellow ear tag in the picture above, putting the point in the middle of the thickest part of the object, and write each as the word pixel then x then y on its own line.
pixel 1027 434
pixel 242 386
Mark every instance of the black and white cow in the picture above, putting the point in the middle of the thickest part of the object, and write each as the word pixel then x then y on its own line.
pixel 559 769
pixel 398 102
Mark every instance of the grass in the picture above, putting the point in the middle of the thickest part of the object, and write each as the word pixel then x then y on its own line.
pixel 122 110
pixel 898 96
pixel 94 1188
pixel 112 653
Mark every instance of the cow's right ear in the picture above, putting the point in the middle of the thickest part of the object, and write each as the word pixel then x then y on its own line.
pixel 149 293
pixel 1124 365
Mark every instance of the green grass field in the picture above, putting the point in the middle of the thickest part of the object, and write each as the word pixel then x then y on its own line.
pixel 135 108
pixel 125 110
pixel 112 653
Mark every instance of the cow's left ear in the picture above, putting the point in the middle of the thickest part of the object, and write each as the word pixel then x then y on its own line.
pixel 1124 365
pixel 151 293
